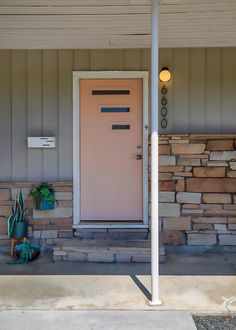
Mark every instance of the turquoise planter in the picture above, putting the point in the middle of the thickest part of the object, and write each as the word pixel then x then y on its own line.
pixel 45 206
pixel 20 230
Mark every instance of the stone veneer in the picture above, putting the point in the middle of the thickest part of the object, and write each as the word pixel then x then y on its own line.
pixel 60 217
pixel 198 189
pixel 197 197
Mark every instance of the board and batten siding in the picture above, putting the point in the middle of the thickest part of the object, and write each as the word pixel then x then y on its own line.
pixel 36 100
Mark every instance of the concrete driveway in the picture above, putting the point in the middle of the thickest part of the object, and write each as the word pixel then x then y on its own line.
pixel 96 320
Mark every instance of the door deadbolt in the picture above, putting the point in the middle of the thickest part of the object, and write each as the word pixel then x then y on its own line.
pixel 139 157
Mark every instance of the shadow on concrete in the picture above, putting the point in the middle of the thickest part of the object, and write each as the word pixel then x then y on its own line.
pixel 140 285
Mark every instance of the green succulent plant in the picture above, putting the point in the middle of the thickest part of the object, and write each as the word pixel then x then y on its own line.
pixel 26 252
pixel 19 213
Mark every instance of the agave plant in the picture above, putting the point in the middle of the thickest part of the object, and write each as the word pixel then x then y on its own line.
pixel 19 214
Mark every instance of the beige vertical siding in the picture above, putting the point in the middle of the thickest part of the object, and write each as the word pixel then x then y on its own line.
pixel 36 99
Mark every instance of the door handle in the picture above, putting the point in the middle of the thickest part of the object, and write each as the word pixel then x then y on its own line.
pixel 139 157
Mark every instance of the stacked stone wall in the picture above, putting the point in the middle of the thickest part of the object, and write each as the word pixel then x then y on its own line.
pixel 47 225
pixel 198 189
pixel 197 179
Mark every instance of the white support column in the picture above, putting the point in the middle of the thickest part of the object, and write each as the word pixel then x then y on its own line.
pixel 154 159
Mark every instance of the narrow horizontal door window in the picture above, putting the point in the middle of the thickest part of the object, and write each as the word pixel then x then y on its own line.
pixel 120 127
pixel 115 109
pixel 110 92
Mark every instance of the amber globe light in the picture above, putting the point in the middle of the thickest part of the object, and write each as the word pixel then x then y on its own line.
pixel 165 74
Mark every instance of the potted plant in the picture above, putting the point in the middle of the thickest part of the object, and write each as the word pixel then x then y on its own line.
pixel 18 221
pixel 43 196
pixel 26 252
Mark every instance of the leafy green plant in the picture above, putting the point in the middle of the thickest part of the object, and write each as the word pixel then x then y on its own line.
pixel 37 197
pixel 19 214
pixel 44 191
pixel 47 195
pixel 26 252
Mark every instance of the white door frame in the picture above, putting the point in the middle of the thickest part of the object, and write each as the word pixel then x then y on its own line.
pixel 77 75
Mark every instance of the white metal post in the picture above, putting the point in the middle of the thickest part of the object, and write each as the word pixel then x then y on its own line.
pixel 154 159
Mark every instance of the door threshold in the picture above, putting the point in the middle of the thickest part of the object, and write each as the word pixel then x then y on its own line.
pixel 110 224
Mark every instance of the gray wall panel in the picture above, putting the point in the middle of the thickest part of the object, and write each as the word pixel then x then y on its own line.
pixel 114 59
pixel 36 98
pixel 228 93
pixel 34 112
pixel 197 90
pixel 5 115
pixel 98 60
pixel 213 90
pixel 50 112
pixel 19 115
pixel 181 75
pixel 65 138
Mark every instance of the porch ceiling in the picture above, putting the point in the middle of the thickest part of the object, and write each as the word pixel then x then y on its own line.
pixel 115 23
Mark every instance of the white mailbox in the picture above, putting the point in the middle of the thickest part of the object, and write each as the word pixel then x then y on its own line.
pixel 41 142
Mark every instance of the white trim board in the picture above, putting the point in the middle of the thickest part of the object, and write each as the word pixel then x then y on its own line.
pixel 77 75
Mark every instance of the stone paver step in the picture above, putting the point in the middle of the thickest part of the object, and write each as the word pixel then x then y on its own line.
pixel 104 251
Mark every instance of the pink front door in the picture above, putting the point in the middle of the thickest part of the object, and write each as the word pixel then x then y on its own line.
pixel 111 149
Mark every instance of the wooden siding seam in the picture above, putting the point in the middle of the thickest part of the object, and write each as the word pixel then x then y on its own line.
pixel 43 103
pixel 188 84
pixel 173 88
pixel 221 87
pixel 27 117
pixel 11 73
pixel 58 117
pixel 190 89
pixel 204 89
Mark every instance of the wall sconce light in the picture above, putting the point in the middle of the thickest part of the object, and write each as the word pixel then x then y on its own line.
pixel 164 76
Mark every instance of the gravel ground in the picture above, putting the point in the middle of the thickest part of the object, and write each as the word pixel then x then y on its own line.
pixel 215 322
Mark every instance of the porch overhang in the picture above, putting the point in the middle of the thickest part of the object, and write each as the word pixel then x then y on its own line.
pixel 78 24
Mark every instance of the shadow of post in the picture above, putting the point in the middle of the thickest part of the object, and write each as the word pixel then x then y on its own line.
pixel 141 287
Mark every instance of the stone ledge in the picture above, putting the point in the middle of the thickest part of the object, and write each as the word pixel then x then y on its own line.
pixel 55 213
pixel 227 239
pixel 100 251
pixel 201 239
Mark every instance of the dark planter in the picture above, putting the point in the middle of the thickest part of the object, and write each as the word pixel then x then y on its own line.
pixel 35 254
pixel 46 206
pixel 20 230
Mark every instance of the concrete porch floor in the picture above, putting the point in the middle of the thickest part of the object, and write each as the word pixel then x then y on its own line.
pixel 199 284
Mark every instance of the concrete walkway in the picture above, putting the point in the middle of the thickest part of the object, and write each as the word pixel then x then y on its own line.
pixel 197 294
pixel 199 284
pixel 99 320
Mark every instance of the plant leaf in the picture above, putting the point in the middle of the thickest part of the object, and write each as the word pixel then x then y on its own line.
pixel 21 200
pixel 11 223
